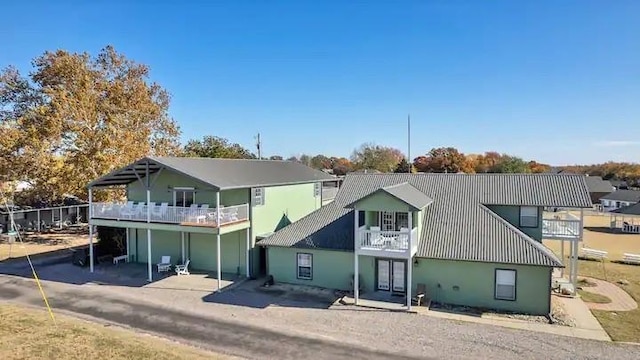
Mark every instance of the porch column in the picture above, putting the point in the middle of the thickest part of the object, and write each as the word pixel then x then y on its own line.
pixel 182 246
pixel 60 225
pixel 39 221
pixel 218 254
pixel 149 265
pixel 90 231
pixel 409 261
pixel 127 231
pixel 356 275
pixel 247 254
pixel 562 256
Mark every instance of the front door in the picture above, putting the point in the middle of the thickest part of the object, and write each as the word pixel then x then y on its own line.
pixel 391 275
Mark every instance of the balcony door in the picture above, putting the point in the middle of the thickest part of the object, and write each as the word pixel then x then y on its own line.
pixel 393 221
pixel 184 197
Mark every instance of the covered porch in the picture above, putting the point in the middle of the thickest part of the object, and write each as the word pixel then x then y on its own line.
pixel 565 225
pixel 626 219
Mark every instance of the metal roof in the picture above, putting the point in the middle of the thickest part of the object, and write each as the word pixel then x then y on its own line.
pixel 623 195
pixel 458 225
pixel 220 174
pixel 404 192
pixel 628 210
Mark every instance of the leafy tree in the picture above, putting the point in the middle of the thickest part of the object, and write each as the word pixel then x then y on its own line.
pixel 293 158
pixel 375 157
pixel 276 157
pixel 77 117
pixel 403 167
pixel 487 162
pixel 511 164
pixel 305 159
pixel 445 159
pixel 320 162
pixel 537 168
pixel 216 147
pixel 341 166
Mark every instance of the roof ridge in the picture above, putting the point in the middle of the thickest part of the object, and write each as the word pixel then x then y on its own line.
pixel 535 244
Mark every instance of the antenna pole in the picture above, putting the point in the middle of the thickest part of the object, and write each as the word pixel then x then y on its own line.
pixel 409 141
pixel 258 145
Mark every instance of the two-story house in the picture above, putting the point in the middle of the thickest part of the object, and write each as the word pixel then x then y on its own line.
pixel 472 240
pixel 209 211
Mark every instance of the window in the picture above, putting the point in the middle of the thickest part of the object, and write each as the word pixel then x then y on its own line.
pixel 402 220
pixel 184 197
pixel 361 218
pixel 528 216
pixel 505 284
pixel 305 266
pixel 317 189
pixel 258 196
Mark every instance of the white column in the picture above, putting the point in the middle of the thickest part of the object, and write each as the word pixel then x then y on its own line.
pixel 247 254
pixel 218 254
pixel 127 231
pixel 149 265
pixel 90 232
pixel 39 220
pixel 409 261
pixel 356 245
pixel 60 225
pixel 562 257
pixel 182 246
pixel 148 207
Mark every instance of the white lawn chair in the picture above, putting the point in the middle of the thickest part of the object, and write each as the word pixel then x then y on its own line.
pixel 376 236
pixel 165 264
pixel 158 212
pixel 183 269
pixel 201 213
pixel 127 210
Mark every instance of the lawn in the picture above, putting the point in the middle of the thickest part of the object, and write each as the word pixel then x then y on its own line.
pixel 621 326
pixel 30 334
pixel 593 297
pixel 42 243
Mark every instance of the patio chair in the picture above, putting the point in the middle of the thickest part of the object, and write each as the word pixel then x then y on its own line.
pixel 127 209
pixel 158 212
pixel 165 264
pixel 376 236
pixel 183 269
pixel 421 295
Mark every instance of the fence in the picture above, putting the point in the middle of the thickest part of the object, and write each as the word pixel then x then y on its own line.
pixel 45 218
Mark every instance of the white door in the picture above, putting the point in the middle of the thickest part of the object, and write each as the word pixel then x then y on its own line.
pixel 384 275
pixel 398 276
pixel 387 221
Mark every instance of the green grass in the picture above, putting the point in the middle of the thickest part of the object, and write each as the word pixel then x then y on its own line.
pixel 585 283
pixel 30 334
pixel 593 298
pixel 620 325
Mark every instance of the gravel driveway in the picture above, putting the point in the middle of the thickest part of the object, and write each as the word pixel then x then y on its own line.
pixel 252 324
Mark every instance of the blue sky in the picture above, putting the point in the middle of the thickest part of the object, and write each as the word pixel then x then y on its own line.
pixel 556 81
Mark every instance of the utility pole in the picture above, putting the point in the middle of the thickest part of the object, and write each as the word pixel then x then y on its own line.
pixel 409 141
pixel 259 146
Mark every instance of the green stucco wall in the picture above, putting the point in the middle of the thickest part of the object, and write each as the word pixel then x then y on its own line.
pixel 331 269
pixel 512 215
pixel 200 248
pixel 290 201
pixel 381 202
pixel 452 282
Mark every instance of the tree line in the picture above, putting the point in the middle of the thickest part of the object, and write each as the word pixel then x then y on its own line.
pixel 77 116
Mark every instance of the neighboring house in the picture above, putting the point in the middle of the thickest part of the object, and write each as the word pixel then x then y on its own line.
pixel 619 199
pixel 473 240
pixel 598 188
pixel 254 199
pixel 619 184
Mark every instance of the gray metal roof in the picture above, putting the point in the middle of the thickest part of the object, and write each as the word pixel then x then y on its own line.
pixel 628 210
pixel 404 192
pixel 623 195
pixel 457 225
pixel 219 173
pixel 595 184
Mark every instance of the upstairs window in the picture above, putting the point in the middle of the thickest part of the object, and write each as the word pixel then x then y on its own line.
pixel 317 189
pixel 258 196
pixel 528 216
pixel 183 197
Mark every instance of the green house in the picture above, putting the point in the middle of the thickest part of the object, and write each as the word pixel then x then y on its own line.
pixel 209 211
pixel 473 240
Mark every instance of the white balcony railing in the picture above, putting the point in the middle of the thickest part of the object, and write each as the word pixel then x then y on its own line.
pixel 170 214
pixel 402 243
pixel 560 225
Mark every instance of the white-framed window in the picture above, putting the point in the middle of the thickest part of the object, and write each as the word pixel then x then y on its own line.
pixel 393 221
pixel 304 266
pixel 528 216
pixel 505 284
pixel 317 189
pixel 184 197
pixel 257 196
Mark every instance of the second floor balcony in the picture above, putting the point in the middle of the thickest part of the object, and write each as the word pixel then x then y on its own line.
pixel 194 215
pixel 561 225
pixel 395 244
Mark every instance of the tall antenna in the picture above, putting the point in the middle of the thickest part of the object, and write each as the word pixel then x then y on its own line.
pixel 409 141
pixel 259 146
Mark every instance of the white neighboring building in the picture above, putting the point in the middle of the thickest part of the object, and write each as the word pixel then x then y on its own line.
pixel 619 199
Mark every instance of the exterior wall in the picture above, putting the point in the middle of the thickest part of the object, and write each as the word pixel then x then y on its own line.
pixel 382 202
pixel 331 269
pixel 512 215
pixel 162 192
pixel 290 201
pixel 200 248
pixel 452 282
pixel 475 284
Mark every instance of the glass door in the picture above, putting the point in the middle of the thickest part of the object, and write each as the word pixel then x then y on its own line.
pixel 384 275
pixel 387 221
pixel 398 276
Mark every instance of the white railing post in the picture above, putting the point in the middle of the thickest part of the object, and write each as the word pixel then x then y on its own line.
pixel 410 242
pixel 218 255
pixel 39 221
pixel 90 233
pixel 356 272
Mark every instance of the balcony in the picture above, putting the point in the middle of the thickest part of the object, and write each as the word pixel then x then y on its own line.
pixel 394 244
pixel 189 216
pixel 561 226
